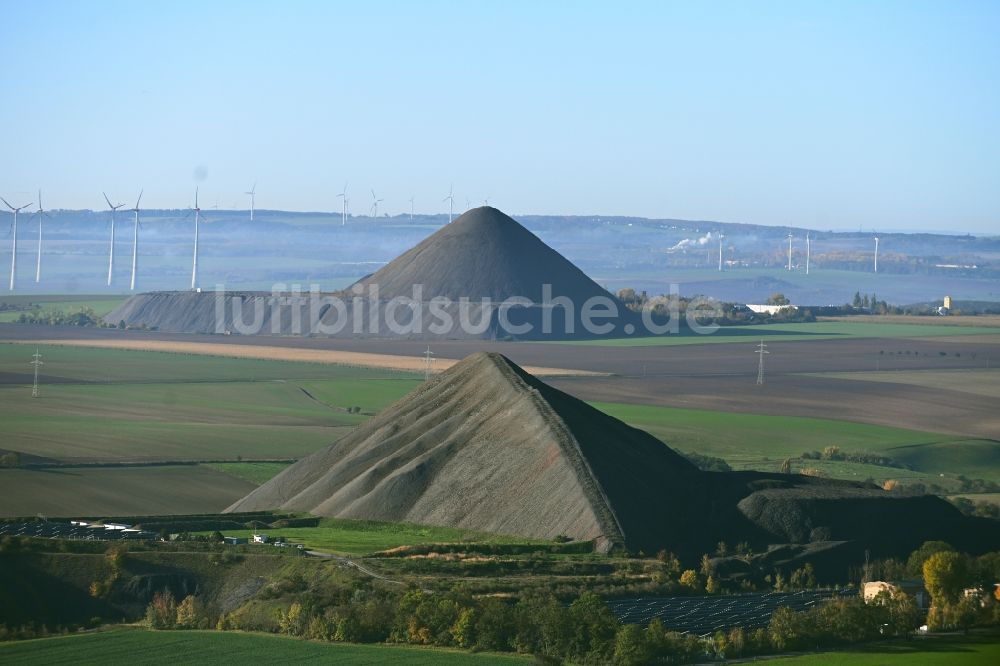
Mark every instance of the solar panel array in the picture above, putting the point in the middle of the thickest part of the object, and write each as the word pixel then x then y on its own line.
pixel 67 531
pixel 707 614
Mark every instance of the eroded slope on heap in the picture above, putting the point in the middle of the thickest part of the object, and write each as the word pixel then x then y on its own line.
pixel 486 446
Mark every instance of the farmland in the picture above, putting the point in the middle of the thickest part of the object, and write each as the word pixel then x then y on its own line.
pixel 101 305
pixel 937 651
pixel 156 406
pixel 754 441
pixel 240 415
pixel 820 330
pixel 117 490
pixel 123 646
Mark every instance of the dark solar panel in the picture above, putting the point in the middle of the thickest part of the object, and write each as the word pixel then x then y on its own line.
pixel 707 614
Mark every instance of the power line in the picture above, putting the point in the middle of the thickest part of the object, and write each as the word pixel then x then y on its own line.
pixel 428 359
pixel 761 350
pixel 37 362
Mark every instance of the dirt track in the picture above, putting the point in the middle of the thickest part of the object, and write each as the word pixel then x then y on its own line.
pixel 268 353
pixel 710 376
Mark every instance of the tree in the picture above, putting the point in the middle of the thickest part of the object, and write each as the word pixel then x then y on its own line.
pixel 777 299
pixel 966 612
pixel 712 586
pixel 737 640
pixel 915 563
pixel 786 466
pixel 463 632
pixel 319 629
pixel 161 613
pixel 671 563
pixel 593 630
pixel 631 646
pixel 784 630
pixel 292 621
pixel 902 616
pixel 945 576
pixel 495 627
pixel 189 613
pixel 689 579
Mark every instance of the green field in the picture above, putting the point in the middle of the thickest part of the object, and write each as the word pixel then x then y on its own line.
pixel 976 650
pixel 820 330
pixel 755 441
pixel 115 405
pixel 101 305
pixel 362 537
pixel 117 491
pixel 130 646
pixel 252 472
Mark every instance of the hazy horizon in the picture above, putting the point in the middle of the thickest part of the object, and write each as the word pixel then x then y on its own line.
pixel 878 117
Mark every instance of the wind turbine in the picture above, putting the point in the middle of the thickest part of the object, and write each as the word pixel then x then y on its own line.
pixel 808 252
pixel 194 262
pixel 343 220
pixel 111 253
pixel 135 239
pixel 375 203
pixel 789 251
pixel 876 253
pixel 38 263
pixel 251 193
pixel 13 252
pixel 451 202
pixel 411 209
pixel 720 251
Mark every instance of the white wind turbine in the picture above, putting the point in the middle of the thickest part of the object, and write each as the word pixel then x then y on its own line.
pixel 252 193
pixel 411 209
pixel 790 251
pixel 451 202
pixel 38 262
pixel 343 219
pixel 375 203
pixel 808 252
pixel 876 253
pixel 194 261
pixel 13 252
pixel 111 252
pixel 135 240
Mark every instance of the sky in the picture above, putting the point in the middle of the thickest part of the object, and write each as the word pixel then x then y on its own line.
pixel 829 115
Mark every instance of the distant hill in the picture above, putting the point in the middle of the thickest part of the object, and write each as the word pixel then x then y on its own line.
pixel 483 254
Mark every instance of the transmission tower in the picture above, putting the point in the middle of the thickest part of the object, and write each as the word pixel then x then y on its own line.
pixel 428 359
pixel 761 350
pixel 37 362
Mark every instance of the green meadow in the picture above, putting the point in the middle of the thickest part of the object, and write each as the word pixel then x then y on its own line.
pixel 756 441
pixel 116 405
pixel 362 537
pixel 131 645
pixel 954 650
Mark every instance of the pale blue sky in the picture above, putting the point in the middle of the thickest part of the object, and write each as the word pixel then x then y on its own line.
pixel 825 114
